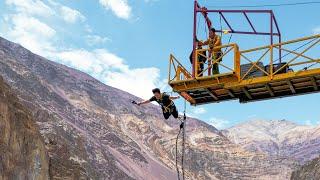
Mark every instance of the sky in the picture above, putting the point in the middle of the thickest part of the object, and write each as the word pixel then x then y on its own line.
pixel 126 44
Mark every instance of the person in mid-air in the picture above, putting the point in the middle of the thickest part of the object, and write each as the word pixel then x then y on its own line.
pixel 201 58
pixel 213 42
pixel 165 101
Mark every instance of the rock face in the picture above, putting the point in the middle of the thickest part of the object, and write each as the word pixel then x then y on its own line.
pixel 92 131
pixel 310 171
pixel 22 149
pixel 85 124
pixel 278 138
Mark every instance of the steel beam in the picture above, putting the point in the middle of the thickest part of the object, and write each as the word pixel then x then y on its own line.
pixel 246 92
pixel 291 87
pixel 314 83
pixel 212 95
pixel 269 89
pixel 230 93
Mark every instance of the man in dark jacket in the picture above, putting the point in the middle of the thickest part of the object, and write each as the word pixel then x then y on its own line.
pixel 165 101
pixel 202 59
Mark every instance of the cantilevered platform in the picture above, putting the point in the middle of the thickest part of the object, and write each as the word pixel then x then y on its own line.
pixel 249 80
pixel 209 90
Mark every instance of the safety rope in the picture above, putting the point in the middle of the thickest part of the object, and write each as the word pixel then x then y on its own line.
pixel 177 167
pixel 183 138
pixel 182 127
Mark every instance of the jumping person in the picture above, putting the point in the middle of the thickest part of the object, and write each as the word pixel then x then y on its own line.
pixel 165 101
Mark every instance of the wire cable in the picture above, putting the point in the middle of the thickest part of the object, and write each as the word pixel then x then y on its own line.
pixel 182 128
pixel 275 61
pixel 177 167
pixel 270 5
pixel 183 138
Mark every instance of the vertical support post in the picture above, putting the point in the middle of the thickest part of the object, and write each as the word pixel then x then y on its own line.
pixel 280 46
pixel 237 62
pixel 210 63
pixel 271 28
pixel 271 62
pixel 279 36
pixel 194 37
pixel 271 44
pixel 196 65
pixel 169 69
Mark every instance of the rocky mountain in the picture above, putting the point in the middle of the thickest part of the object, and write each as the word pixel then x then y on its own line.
pixel 279 138
pixel 92 131
pixel 309 171
pixel 22 149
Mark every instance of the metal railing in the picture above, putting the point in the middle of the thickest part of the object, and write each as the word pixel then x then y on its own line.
pixel 180 72
pixel 296 57
pixel 212 60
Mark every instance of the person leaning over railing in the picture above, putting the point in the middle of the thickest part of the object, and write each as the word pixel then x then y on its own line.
pixel 201 58
pixel 213 41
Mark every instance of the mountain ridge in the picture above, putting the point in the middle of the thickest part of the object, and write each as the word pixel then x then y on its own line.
pixel 92 130
pixel 277 138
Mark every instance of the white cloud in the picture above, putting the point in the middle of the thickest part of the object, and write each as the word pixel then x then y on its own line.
pixel 316 30
pixel 96 40
pixel 148 1
pixel 120 8
pixel 198 111
pixel 96 61
pixel 88 29
pixel 218 123
pixel 112 70
pixel 135 81
pixel 71 15
pixel 25 28
pixel 308 123
pixel 30 32
pixel 31 7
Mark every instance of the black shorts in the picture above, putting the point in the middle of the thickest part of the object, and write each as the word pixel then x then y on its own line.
pixel 173 111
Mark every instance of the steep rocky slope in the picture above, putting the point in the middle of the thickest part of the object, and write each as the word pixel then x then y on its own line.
pixel 80 119
pixel 310 171
pixel 278 138
pixel 22 149
pixel 92 131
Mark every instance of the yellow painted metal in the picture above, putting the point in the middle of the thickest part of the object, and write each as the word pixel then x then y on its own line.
pixel 182 81
pixel 229 48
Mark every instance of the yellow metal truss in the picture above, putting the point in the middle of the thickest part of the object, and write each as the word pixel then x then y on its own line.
pixel 235 83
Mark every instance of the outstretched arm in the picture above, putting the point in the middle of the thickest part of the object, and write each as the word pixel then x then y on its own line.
pixel 205 43
pixel 144 102
pixel 174 97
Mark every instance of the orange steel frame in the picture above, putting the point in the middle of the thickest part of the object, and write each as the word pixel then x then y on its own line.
pixel 182 81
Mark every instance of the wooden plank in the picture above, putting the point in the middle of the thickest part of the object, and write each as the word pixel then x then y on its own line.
pixel 202 97
pixel 254 90
pixel 260 93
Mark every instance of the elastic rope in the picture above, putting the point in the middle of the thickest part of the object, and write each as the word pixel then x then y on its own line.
pixel 177 167
pixel 183 138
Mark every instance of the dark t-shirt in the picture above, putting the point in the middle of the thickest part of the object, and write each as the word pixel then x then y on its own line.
pixel 201 59
pixel 164 101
